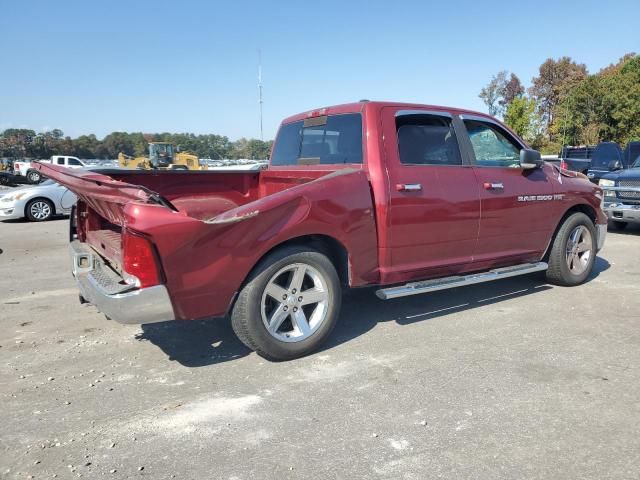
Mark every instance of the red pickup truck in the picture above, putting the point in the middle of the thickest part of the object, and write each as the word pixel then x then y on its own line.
pixel 407 198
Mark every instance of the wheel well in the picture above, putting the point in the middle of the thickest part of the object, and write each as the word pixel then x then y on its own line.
pixel 581 208
pixel 29 202
pixel 329 246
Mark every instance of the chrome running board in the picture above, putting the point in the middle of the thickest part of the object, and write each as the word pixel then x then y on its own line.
pixel 426 286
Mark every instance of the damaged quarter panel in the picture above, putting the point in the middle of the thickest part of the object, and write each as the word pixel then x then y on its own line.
pixel 206 261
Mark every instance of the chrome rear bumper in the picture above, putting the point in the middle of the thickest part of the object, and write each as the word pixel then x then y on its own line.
pixel 103 287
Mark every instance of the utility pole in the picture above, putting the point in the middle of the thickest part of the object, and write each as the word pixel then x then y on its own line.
pixel 260 90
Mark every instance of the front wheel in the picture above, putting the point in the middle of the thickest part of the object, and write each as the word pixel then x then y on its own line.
pixel 289 305
pixel 39 210
pixel 573 251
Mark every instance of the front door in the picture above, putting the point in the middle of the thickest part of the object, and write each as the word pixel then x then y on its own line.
pixel 434 205
pixel 516 203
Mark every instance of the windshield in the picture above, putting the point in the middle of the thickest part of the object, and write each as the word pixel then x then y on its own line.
pixel 636 164
pixel 161 149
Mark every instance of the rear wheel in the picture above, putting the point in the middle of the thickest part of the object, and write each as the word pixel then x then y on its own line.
pixel 289 305
pixel 4 180
pixel 573 251
pixel 39 210
pixel 616 225
pixel 34 176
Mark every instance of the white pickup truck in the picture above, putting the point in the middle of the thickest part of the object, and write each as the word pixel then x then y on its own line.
pixel 34 176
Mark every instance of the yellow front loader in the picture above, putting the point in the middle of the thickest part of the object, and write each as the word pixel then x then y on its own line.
pixel 162 156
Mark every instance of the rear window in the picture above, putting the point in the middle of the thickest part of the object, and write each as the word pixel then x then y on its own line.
pixel 606 153
pixel 335 139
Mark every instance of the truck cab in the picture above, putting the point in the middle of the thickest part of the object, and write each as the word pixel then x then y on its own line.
pixel 66 161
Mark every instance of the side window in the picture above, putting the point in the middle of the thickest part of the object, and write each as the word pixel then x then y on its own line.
pixel 73 161
pixel 60 161
pixel 335 139
pixel 427 140
pixel 492 148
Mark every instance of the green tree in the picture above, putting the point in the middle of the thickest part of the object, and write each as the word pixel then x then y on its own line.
pixel 520 116
pixel 554 81
pixel 604 106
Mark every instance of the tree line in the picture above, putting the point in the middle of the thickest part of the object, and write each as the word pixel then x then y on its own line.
pixel 566 105
pixel 24 143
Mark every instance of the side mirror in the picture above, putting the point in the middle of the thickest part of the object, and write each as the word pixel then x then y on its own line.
pixel 615 165
pixel 530 159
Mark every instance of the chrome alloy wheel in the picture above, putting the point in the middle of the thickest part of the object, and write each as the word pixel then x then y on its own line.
pixel 295 302
pixel 579 250
pixel 40 210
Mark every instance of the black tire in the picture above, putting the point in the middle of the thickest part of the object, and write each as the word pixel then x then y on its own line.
pixel 559 272
pixel 616 225
pixel 34 176
pixel 4 180
pixel 39 204
pixel 247 317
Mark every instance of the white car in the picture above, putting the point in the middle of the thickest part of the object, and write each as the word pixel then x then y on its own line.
pixel 36 202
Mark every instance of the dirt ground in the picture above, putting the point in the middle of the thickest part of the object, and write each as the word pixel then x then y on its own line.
pixel 515 379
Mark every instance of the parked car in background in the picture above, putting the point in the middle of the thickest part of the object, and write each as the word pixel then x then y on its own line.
pixel 37 202
pixel 408 198
pixel 34 176
pixel 622 195
pixel 607 157
pixel 10 179
pixel 576 158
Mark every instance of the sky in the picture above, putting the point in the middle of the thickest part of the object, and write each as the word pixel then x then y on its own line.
pixel 191 66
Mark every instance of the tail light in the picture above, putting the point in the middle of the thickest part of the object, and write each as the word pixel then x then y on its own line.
pixel 564 165
pixel 139 262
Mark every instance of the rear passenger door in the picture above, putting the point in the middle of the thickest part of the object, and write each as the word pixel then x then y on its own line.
pixel 516 204
pixel 434 206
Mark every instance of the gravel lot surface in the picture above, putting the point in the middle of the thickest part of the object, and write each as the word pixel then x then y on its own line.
pixel 516 379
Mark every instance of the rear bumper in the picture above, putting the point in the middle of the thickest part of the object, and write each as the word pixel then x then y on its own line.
pixel 622 212
pixel 102 287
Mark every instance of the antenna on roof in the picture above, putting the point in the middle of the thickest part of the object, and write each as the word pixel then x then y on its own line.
pixel 260 90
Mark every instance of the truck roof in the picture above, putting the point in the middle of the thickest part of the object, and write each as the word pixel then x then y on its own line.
pixel 356 107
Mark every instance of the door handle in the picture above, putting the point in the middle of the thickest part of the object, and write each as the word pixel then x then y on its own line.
pixel 408 187
pixel 493 186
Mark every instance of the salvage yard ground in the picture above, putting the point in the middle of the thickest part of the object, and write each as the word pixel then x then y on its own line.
pixel 516 379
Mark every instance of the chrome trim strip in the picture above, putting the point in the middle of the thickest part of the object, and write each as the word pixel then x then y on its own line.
pixel 459 281
pixel 621 189
pixel 438 113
